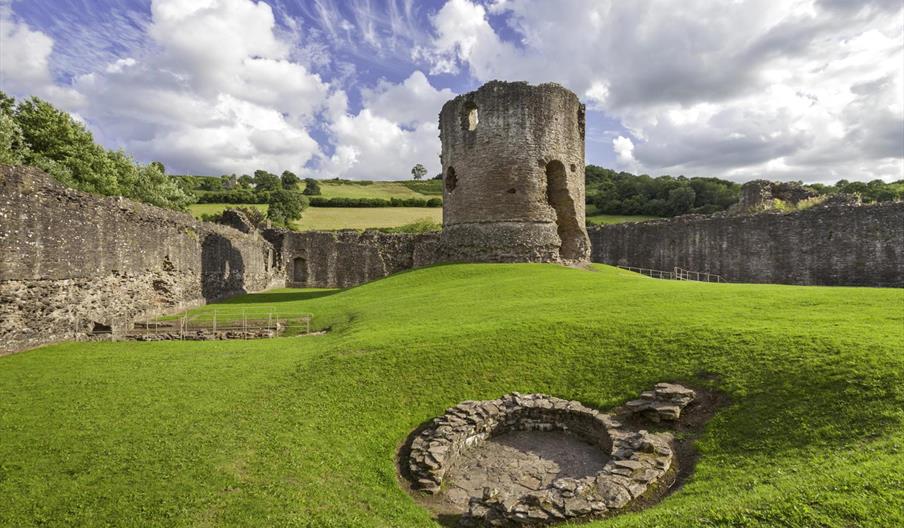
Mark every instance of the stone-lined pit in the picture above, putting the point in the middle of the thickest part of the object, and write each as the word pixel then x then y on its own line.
pixel 533 459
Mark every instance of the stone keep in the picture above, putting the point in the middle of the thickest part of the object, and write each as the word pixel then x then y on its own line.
pixel 513 171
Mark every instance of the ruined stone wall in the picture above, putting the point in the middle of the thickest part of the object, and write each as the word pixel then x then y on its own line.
pixel 72 261
pixel 340 259
pixel 832 246
pixel 513 170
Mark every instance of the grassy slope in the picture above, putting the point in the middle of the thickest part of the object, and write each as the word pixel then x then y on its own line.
pixel 303 431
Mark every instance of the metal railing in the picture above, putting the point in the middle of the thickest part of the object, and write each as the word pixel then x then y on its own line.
pixel 676 274
pixel 683 274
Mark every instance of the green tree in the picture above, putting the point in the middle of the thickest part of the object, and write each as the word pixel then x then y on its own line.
pixel 311 187
pixel 289 180
pixel 285 206
pixel 418 172
pixel 265 181
pixel 11 141
pixel 7 104
pixel 156 188
pixel 159 166
pixel 229 181
pixel 681 200
pixel 64 148
pixel 35 133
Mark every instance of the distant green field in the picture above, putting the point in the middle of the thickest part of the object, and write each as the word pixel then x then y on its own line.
pixel 330 218
pixel 385 190
pixel 617 219
pixel 208 209
pixel 304 431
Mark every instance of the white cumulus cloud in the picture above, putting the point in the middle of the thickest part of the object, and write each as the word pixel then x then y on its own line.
pixel 396 130
pixel 801 89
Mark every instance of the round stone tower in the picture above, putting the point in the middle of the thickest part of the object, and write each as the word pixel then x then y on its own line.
pixel 513 172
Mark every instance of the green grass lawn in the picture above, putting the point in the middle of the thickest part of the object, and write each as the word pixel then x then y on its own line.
pixel 602 219
pixel 329 218
pixel 304 431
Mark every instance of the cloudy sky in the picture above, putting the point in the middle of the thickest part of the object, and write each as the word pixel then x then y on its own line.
pixel 781 89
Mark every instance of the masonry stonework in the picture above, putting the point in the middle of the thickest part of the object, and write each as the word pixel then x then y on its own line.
pixel 72 263
pixel 513 171
pixel 341 259
pixel 845 245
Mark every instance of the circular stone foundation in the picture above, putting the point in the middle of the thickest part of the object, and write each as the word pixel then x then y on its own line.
pixel 519 462
pixel 533 459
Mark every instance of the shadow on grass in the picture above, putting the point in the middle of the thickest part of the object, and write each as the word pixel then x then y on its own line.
pixel 280 297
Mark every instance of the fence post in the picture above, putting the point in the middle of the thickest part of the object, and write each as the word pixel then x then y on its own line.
pixel 214 321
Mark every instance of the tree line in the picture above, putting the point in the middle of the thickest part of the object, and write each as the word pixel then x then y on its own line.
pixel 34 133
pixel 623 193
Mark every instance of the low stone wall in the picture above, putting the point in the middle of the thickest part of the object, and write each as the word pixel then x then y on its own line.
pixel 73 262
pixel 830 246
pixel 638 459
pixel 341 259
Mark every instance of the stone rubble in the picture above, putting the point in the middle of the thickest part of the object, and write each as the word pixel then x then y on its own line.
pixel 638 459
pixel 664 402
pixel 202 335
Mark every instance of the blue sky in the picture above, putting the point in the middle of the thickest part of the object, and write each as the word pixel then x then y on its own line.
pixel 803 89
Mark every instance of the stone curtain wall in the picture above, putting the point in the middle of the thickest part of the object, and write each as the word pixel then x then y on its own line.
pixel 340 259
pixel 831 246
pixel 72 261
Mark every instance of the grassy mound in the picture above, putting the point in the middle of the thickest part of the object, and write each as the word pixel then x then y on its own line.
pixel 304 431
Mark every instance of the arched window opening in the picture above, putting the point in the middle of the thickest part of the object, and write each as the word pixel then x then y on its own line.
pixel 469 118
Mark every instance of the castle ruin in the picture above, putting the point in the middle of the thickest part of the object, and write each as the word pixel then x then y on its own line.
pixel 513 168
pixel 513 171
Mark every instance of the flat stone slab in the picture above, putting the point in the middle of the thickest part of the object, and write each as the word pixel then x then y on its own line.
pixel 519 462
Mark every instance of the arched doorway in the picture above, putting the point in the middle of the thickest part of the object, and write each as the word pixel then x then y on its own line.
pixel 566 216
pixel 299 270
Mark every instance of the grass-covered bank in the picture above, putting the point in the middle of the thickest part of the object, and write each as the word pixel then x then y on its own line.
pixel 303 431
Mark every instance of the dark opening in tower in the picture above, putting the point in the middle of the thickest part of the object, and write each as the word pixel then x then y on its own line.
pixel 566 214
pixel 451 179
